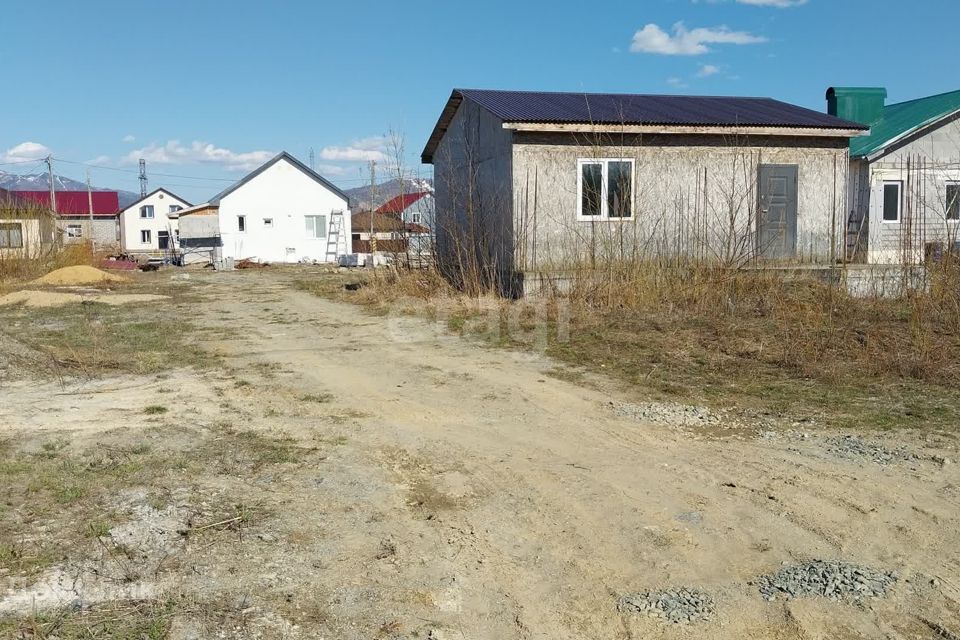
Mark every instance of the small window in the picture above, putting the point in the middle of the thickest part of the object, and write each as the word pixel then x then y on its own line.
pixel 605 189
pixel 145 236
pixel 146 211
pixel 891 201
pixel 268 223
pixel 316 226
pixel 74 231
pixel 953 201
pixel 175 207
pixel 241 223
pixel 415 217
pixel 11 235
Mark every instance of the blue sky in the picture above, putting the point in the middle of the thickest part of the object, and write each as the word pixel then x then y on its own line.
pixel 204 90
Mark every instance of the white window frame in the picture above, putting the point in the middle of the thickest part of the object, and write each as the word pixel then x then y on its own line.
pixel 242 224
pixel 415 217
pixel 268 223
pixel 883 197
pixel 604 180
pixel 147 208
pixel 174 208
pixel 149 236
pixel 946 209
pixel 74 231
pixel 326 222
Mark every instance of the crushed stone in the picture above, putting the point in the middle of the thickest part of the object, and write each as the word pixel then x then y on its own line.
pixel 666 413
pixel 826 579
pixel 678 606
pixel 46 299
pixel 850 446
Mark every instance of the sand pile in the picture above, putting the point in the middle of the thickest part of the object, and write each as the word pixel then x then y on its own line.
pixel 78 275
pixel 58 299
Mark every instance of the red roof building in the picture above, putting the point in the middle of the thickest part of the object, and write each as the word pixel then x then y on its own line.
pixel 402 202
pixel 106 204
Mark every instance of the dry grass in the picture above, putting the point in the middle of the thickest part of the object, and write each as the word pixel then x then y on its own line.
pixel 93 339
pixel 761 341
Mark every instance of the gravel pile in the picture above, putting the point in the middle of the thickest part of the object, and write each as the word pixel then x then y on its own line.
pixel 835 580
pixel 854 447
pixel 679 606
pixel 666 413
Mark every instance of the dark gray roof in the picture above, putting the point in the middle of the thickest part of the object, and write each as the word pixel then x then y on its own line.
pixel 283 155
pixel 634 109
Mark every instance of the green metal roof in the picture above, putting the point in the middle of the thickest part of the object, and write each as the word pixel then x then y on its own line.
pixel 903 118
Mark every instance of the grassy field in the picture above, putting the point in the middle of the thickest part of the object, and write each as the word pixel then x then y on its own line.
pixel 790 350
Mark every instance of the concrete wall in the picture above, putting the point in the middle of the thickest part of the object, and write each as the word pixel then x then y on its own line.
pixel 694 196
pixel 106 231
pixel 925 163
pixel 204 223
pixel 473 196
pixel 286 195
pixel 131 224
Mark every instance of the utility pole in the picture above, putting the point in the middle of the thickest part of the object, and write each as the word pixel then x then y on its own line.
pixel 373 200
pixel 93 240
pixel 53 191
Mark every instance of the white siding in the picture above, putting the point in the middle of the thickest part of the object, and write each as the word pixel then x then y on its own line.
pixel 286 195
pixel 131 224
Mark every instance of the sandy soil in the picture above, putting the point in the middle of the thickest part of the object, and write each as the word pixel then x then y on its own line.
pixel 470 494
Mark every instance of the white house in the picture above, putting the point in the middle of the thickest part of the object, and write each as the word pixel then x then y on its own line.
pixel 150 225
pixel 904 191
pixel 281 212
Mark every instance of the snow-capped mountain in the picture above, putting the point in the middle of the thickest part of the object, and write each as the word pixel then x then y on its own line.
pixel 40 182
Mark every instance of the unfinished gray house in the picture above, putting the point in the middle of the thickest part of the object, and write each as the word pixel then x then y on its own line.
pixel 904 191
pixel 531 184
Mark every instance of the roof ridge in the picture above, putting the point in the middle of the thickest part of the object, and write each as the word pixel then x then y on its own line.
pixel 936 95
pixel 608 94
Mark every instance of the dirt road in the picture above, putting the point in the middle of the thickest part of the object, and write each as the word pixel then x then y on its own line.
pixel 474 495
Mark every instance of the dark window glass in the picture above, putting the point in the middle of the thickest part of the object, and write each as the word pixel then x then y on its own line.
pixel 891 201
pixel 619 189
pixel 953 201
pixel 241 223
pixel 592 196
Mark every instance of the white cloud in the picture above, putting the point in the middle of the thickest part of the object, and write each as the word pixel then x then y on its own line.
pixel 779 4
pixel 129 138
pixel 363 150
pixel 707 70
pixel 687 42
pixel 676 82
pixel 99 160
pixel 198 152
pixel 25 151
pixel 330 170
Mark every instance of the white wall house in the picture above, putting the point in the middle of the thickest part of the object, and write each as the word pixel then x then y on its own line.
pixel 281 212
pixel 150 225
pixel 904 191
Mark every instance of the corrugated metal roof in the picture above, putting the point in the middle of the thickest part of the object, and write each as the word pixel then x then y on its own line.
pixel 635 109
pixel 611 108
pixel 75 203
pixel 903 118
pixel 399 203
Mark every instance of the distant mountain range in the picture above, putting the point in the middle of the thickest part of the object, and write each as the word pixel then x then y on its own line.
pixel 40 182
pixel 363 198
